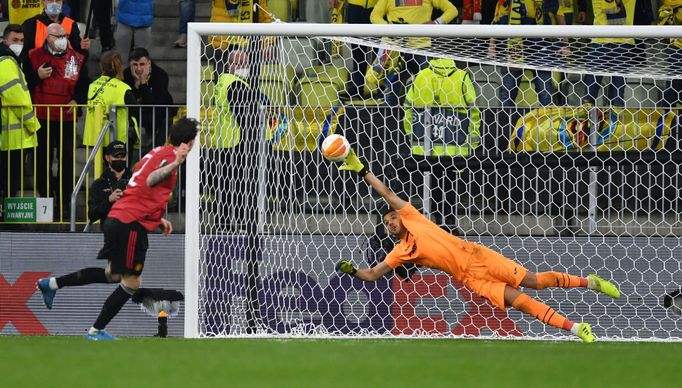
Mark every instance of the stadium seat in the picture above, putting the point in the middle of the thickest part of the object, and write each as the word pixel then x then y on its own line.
pixel 320 86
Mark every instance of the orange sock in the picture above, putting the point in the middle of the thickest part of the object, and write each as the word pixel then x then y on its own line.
pixel 542 312
pixel 558 279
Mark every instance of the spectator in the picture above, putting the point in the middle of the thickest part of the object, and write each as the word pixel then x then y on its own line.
pixel 565 9
pixel 109 187
pixel 513 48
pixel 394 12
pixel 233 139
pixel 57 77
pixel 187 10
pixel 670 13
pixel 17 119
pixel 106 91
pixel 35 28
pixel 236 12
pixel 101 12
pixel 447 94
pixel 605 51
pixel 357 12
pixel 149 85
pixel 134 28
pixel 471 11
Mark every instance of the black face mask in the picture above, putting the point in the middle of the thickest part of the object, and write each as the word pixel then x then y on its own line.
pixel 118 165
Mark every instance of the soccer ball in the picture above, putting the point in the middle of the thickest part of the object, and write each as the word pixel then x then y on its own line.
pixel 335 148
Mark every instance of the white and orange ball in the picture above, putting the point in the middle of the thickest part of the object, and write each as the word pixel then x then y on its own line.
pixel 335 148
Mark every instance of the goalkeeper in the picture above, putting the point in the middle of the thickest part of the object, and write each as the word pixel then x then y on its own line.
pixel 482 270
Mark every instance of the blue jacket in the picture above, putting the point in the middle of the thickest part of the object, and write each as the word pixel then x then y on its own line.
pixel 136 13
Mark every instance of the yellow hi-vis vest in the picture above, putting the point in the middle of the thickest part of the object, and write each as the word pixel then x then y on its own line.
pixel 441 101
pixel 102 94
pixel 19 123
pixel 224 131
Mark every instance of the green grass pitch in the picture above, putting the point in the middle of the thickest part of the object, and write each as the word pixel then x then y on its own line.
pixel 173 362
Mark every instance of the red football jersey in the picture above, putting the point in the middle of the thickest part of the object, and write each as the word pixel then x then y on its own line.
pixel 140 202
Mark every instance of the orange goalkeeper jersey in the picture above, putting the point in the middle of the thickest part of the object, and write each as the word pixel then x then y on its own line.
pixel 428 245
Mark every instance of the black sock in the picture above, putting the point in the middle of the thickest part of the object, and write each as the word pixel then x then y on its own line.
pixel 83 277
pixel 111 307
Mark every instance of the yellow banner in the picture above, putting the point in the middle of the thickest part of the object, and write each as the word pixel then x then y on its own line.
pixel 20 10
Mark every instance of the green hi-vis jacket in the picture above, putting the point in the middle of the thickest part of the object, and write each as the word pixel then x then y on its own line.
pixel 224 131
pixel 19 123
pixel 104 92
pixel 440 104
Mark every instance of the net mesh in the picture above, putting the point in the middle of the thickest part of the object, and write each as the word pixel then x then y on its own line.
pixel 517 144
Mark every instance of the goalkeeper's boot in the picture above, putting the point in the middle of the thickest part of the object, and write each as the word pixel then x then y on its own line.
pixel 585 332
pixel 48 293
pixel 605 287
pixel 100 335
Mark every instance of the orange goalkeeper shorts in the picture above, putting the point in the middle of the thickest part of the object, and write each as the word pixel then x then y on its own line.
pixel 489 272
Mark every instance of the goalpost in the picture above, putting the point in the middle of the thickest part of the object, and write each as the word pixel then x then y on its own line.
pixel 567 184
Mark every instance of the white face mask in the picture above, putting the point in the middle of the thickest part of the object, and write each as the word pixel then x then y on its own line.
pixel 60 44
pixel 242 73
pixel 53 9
pixel 16 48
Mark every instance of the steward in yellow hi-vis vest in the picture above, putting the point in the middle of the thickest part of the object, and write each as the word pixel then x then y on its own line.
pixel 439 108
pixel 224 130
pixel 19 123
pixel 107 91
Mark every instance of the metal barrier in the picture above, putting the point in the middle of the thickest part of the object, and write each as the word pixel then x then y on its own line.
pixel 30 172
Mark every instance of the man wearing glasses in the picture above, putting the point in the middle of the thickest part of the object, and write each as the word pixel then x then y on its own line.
pixel 56 77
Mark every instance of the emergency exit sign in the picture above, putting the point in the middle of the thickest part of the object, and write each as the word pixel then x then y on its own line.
pixel 27 210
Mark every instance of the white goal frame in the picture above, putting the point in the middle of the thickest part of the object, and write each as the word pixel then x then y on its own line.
pixel 198 30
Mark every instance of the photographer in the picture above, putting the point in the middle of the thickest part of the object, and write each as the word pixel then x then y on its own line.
pixel 109 187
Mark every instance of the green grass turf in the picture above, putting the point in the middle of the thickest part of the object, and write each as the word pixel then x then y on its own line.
pixel 171 362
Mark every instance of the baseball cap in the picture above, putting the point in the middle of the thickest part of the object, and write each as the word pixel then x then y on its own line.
pixel 116 148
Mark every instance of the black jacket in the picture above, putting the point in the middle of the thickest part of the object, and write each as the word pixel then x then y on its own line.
pixel 98 203
pixel 155 92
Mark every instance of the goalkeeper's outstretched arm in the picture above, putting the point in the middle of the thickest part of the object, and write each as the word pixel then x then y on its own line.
pixel 353 163
pixel 366 274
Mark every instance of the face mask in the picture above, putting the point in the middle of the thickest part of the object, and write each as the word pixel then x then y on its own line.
pixel 118 165
pixel 16 48
pixel 242 73
pixel 60 44
pixel 53 9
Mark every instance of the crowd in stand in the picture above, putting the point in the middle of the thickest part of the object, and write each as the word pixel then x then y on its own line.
pixel 45 59
pixel 45 63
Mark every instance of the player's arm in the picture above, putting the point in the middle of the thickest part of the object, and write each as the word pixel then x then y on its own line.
pixel 366 274
pixel 353 163
pixel 162 173
pixel 165 170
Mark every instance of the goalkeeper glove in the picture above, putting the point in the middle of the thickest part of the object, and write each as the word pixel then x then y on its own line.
pixel 346 266
pixel 353 163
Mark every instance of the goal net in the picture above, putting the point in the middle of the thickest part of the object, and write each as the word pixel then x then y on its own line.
pixel 558 147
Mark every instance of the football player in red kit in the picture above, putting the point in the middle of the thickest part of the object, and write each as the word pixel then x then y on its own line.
pixel 139 211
